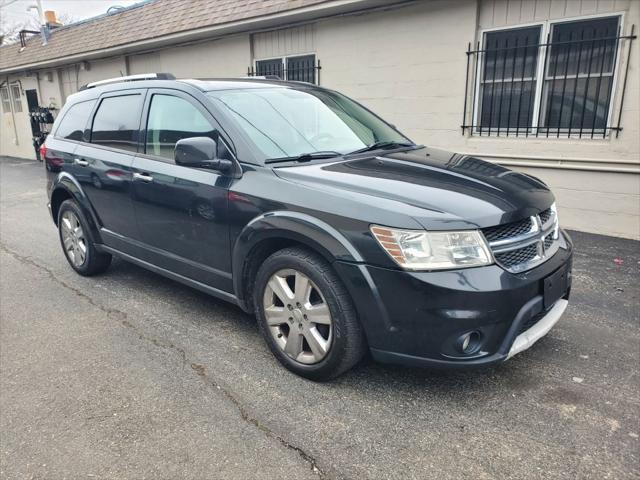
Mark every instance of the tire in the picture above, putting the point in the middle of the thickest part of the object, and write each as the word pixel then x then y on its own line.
pixel 338 340
pixel 78 246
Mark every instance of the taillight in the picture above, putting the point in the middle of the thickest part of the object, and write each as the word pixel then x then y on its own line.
pixel 236 197
pixel 51 160
pixel 115 174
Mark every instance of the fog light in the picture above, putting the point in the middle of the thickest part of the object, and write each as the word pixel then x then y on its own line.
pixel 469 342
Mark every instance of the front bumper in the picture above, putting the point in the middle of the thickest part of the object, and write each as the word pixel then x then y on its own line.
pixel 539 330
pixel 509 348
pixel 416 318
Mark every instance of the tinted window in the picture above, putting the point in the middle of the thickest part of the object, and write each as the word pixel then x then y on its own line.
pixel 75 120
pixel 171 119
pixel 116 122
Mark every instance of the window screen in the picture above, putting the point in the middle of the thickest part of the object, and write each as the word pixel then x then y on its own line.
pixel 116 122
pixel 75 120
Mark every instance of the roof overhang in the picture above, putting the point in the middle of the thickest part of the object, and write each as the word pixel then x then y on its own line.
pixel 304 14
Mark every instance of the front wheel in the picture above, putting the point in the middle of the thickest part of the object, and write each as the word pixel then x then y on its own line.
pixel 306 315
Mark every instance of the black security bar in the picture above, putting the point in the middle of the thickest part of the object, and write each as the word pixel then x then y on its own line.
pixel 517 85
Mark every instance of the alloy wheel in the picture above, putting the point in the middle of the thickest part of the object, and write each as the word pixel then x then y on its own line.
pixel 73 239
pixel 298 316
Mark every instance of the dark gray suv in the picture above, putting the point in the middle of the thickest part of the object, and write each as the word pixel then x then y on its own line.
pixel 298 204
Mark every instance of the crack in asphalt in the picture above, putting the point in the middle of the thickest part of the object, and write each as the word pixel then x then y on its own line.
pixel 198 369
pixel 202 373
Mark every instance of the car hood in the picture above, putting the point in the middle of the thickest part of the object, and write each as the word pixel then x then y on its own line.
pixel 440 189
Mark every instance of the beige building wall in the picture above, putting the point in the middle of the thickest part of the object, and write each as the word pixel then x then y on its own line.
pixel 216 58
pixel 594 195
pixel 50 92
pixel 73 77
pixel 53 87
pixel 408 65
pixel 224 57
pixel 404 64
pixel 15 127
pixel 281 43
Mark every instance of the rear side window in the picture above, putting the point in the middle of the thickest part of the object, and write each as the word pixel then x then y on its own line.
pixel 116 122
pixel 75 120
pixel 172 119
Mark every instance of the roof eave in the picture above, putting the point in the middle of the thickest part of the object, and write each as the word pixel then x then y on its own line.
pixel 313 12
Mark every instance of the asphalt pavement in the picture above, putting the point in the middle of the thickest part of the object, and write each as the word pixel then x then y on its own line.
pixel 131 375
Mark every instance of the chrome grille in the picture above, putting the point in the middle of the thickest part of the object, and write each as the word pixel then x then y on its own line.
pixel 507 230
pixel 522 245
pixel 546 215
pixel 515 257
pixel 548 241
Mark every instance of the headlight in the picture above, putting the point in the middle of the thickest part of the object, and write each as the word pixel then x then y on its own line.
pixel 421 250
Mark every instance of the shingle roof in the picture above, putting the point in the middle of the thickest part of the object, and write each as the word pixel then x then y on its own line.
pixel 149 20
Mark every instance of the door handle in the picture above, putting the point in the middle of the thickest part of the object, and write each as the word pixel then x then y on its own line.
pixel 145 177
pixel 81 162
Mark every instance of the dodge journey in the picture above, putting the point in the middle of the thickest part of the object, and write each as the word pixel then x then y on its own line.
pixel 299 205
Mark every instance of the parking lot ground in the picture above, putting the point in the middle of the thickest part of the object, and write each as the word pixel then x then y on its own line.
pixel 130 375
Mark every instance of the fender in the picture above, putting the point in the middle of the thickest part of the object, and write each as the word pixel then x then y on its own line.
pixel 65 181
pixel 300 227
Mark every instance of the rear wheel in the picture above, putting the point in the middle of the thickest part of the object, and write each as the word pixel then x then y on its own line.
pixel 76 241
pixel 306 315
pixel 95 180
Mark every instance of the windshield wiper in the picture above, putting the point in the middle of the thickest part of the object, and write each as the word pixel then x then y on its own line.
pixel 305 157
pixel 382 145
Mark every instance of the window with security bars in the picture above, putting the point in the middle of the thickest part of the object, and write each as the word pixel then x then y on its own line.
pixel 300 68
pixel 523 86
pixel 508 82
pixel 270 67
pixel 578 76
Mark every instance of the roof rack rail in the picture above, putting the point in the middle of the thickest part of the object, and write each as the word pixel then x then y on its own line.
pixel 130 78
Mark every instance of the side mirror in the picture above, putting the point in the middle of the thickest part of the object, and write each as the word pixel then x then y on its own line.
pixel 200 152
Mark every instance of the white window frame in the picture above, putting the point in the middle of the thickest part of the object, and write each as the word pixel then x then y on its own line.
pixel 16 101
pixel 543 55
pixel 6 101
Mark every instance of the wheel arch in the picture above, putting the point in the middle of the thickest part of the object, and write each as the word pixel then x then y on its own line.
pixel 66 187
pixel 274 231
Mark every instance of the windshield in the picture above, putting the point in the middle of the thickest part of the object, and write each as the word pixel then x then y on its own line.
pixel 287 122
